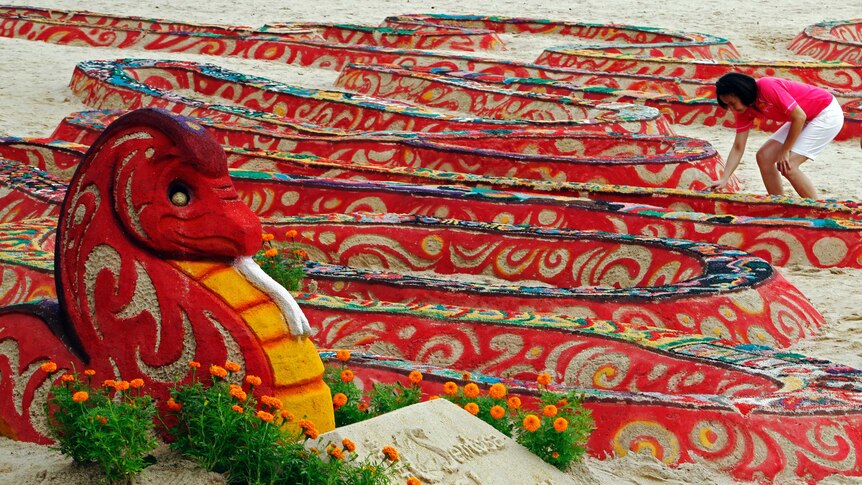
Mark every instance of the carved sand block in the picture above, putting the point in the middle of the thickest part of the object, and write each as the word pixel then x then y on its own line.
pixel 455 95
pixel 553 155
pixel 27 260
pixel 672 283
pixel 780 241
pixel 679 109
pixel 803 432
pixel 153 270
pixel 70 27
pixel 80 125
pixel 631 39
pixel 835 40
pixel 582 353
pixel 814 242
pixel 438 442
pixel 131 83
pixel 27 192
pixel 398 37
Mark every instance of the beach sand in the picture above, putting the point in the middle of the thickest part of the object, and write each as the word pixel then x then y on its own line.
pixel 34 97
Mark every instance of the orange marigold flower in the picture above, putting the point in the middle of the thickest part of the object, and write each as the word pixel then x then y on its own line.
pixel 433 397
pixel 49 367
pixel 532 422
pixel 343 355
pixel 339 399
pixel 101 419
pixel 89 372
pixel 466 376
pixel 238 394
pixel 555 455
pixel 173 405
pixel 415 377
pixel 544 378
pixel 450 388
pixel 312 433
pixel 253 380
pixel 136 383
pixel 306 424
pixel 273 402
pixel 497 412
pixel 290 234
pixel 348 445
pixel 122 385
pixel 67 378
pixel 497 391
pixel 347 375
pixel 267 236
pixel 271 253
pixel 218 371
pixel 231 366
pixel 472 408
pixel 550 410
pixel 194 364
pixel 237 408
pixel 362 406
pixel 561 424
pixel 287 416
pixel 514 402
pixel 562 402
pixel 336 453
pixel 390 453
pixel 299 253
pixel 413 481
pixel 80 396
pixel 265 416
pixel 471 390
pixel 109 383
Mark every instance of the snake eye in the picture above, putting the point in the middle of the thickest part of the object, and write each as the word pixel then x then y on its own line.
pixel 179 194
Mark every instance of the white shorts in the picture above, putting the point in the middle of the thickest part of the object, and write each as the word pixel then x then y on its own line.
pixel 817 133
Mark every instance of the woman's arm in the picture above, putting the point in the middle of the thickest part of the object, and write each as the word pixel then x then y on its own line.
pixel 797 122
pixel 733 159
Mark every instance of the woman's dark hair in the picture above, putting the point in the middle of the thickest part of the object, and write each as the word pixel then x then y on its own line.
pixel 740 85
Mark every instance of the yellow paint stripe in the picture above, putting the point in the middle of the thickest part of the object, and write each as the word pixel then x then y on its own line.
pixel 266 321
pixel 197 269
pixel 234 288
pixel 294 360
pixel 312 401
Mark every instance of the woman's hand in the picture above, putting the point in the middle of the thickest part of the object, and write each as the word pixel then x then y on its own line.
pixel 783 162
pixel 717 184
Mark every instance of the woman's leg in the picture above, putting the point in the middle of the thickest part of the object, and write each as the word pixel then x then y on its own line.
pixel 766 157
pixel 800 182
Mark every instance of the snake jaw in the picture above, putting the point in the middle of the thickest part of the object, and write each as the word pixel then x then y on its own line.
pixel 293 315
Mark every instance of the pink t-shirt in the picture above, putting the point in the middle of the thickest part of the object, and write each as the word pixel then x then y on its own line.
pixel 777 97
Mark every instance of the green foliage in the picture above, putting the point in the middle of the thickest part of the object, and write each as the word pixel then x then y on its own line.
pixel 354 408
pixel 92 426
pixel 557 446
pixel 385 398
pixel 227 430
pixel 287 266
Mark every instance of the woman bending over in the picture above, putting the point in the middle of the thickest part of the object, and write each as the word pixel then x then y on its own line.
pixel 812 118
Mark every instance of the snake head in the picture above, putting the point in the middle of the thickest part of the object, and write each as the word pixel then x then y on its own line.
pixel 171 188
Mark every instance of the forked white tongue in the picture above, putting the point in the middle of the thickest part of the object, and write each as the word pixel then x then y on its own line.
pixel 296 320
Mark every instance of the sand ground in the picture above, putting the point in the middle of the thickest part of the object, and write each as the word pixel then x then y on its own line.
pixel 34 97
